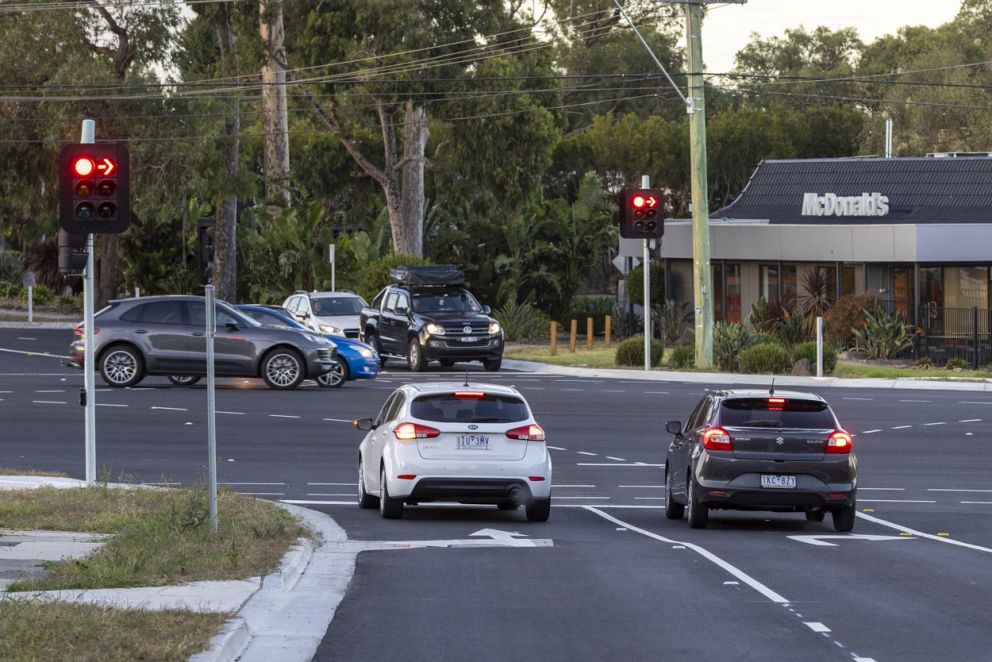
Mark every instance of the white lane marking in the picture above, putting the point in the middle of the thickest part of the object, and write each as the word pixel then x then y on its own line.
pixel 893 501
pixel 970 420
pixel 618 459
pixel 253 483
pixel 264 493
pixel 336 484
pixel 104 404
pixel 900 527
pixel 856 658
pixel 947 489
pixel 604 506
pixel 55 390
pixel 982 503
pixel 816 627
pixel 657 392
pixel 579 381
pixel 532 388
pixel 868 399
pixel 881 489
pixel 231 413
pixel 583 497
pixel 930 424
pixel 282 416
pixel 6 391
pixel 339 420
pixel 25 338
pixel 557 448
pixel 980 402
pixel 577 390
pixel 585 453
pixel 612 390
pixel 17 351
pixel 739 574
pixel 617 464
pixel 171 408
pixel 652 487
pixel 317 494
pixel 870 431
pixel 821 541
pixel 586 486
pixel 649 498
pixel 916 401
pixel 48 402
pixel 902 427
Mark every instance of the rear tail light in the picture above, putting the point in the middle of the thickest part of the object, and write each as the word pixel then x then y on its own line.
pixel 839 442
pixel 414 431
pixel 717 439
pixel 80 330
pixel 407 476
pixel 532 432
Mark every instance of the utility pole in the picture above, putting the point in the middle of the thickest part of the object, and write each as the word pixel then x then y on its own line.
pixel 275 119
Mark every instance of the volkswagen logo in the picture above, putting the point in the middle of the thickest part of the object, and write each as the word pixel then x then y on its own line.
pixel 466 329
pixel 780 441
pixel 473 427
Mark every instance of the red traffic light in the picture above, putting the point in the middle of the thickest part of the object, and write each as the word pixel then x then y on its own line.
pixel 639 201
pixel 83 166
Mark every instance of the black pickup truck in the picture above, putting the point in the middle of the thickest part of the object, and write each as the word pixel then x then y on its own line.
pixel 426 314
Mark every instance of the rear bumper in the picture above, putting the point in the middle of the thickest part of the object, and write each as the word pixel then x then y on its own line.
pixel 473 490
pixel 776 499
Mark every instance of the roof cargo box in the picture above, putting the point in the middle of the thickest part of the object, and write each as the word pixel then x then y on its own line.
pixel 441 275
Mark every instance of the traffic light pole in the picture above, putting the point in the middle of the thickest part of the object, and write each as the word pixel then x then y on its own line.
pixel 89 363
pixel 646 183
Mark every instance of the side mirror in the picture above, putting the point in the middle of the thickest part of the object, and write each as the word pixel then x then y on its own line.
pixel 363 424
pixel 674 427
pixel 486 310
pixel 402 310
pixel 232 325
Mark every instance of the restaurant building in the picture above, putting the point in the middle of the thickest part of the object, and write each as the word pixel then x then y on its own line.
pixel 915 232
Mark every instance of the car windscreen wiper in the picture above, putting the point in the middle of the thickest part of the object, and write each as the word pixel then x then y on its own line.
pixel 491 419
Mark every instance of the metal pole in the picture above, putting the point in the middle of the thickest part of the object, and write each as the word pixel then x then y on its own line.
pixel 30 304
pixel 888 137
pixel 211 406
pixel 700 194
pixel 646 183
pixel 88 137
pixel 333 269
pixel 819 347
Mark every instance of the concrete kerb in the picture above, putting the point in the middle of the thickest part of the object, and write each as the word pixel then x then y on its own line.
pixel 727 379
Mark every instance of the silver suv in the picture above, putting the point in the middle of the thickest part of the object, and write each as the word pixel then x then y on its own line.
pixel 327 313
pixel 166 335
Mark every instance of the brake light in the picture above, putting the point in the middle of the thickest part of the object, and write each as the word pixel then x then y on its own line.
pixel 839 442
pixel 470 395
pixel 414 431
pixel 717 439
pixel 776 404
pixel 80 330
pixel 532 432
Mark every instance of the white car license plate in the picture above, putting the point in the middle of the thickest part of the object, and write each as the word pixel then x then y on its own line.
pixel 778 482
pixel 479 442
pixel 468 339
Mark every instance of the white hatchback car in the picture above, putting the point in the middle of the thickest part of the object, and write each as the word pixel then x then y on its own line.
pixel 452 442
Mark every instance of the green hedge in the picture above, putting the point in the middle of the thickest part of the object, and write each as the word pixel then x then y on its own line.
pixel 631 352
pixel 766 358
pixel 807 350
pixel 683 356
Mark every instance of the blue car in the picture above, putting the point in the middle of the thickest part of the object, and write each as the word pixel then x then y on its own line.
pixel 356 360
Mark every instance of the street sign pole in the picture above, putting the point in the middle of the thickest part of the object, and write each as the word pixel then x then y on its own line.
pixel 332 251
pixel 88 137
pixel 211 406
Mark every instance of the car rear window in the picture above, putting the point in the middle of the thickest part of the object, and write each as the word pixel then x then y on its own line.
pixel 766 412
pixel 452 408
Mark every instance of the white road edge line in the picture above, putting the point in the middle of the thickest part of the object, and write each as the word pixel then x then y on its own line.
pixel 899 527
pixel 51 356
pixel 705 553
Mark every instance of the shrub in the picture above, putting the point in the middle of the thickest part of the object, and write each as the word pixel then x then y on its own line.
pixel 807 350
pixel 522 321
pixel 683 356
pixel 766 358
pixel 631 352
pixel 11 267
pixel 765 337
pixel 923 363
pixel 883 336
pixel 635 285
pixel 956 363
pixel 375 275
pixel 674 318
pixel 793 329
pixel 729 340
pixel 766 316
pixel 9 290
pixel 845 316
pixel 625 323
pixel 66 303
pixel 41 296
pixel 814 299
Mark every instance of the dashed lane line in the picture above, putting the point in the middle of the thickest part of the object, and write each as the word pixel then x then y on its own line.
pixel 556 486
pixel 816 626
pixel 900 527
pixel 612 390
pixel 881 489
pixel 932 424
pixel 644 487
pixel 916 401
pixel 606 498
pixel 870 431
pixel 970 420
pixel 339 420
pixel 982 503
pixel 616 459
pixel 49 402
pixel 283 416
pixel 585 453
pixel 657 392
pixel 573 390
pixel 865 399
pixel 975 402
pixel 107 404
pixel 901 427
pixel 54 390
pixel 617 464
pixel 46 354
pixel 895 501
pixel 231 413
pixel 557 448
pixel 171 408
pixel 333 485
pixel 949 489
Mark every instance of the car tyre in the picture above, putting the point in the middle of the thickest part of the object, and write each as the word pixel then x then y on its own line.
pixel 283 369
pixel 539 510
pixel 365 500
pixel 698 514
pixel 507 505
pixel 389 507
pixel 121 366
pixel 373 340
pixel 843 519
pixel 415 356
pixel 815 515
pixel 336 377
pixel 446 363
pixel 492 365
pixel 184 380
pixel 673 509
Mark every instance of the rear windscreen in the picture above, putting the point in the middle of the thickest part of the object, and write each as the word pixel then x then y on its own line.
pixel 449 408
pixel 760 413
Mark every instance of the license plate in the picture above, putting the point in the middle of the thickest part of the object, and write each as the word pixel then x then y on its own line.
pixel 778 482
pixel 479 442
pixel 467 339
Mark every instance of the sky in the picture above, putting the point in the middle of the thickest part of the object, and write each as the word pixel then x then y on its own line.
pixel 728 27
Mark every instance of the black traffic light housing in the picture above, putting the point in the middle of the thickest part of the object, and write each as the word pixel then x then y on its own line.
pixel 72 253
pixel 94 188
pixel 642 213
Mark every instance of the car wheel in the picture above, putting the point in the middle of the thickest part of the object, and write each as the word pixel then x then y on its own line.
pixel 539 510
pixel 336 378
pixel 843 519
pixel 389 507
pixel 673 509
pixel 121 366
pixel 365 500
pixel 283 369
pixel 415 356
pixel 815 515
pixel 507 505
pixel 698 514
pixel 446 363
pixel 492 365
pixel 183 380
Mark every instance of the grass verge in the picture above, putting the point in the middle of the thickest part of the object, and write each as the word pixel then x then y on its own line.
pixel 598 357
pixel 85 633
pixel 7 471
pixel 161 537
pixel 845 369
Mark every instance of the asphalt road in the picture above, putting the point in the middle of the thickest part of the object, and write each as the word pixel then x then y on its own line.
pixel 616 580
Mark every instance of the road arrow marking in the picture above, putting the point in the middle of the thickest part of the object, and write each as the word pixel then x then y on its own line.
pixel 507 538
pixel 820 541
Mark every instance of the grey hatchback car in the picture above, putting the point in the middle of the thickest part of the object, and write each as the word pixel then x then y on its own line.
pixel 761 450
pixel 166 335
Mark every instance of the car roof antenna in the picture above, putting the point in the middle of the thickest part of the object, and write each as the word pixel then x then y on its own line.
pixel 466 379
pixel 771 391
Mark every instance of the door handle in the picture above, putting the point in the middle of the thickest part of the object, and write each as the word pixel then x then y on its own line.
pixel 199 334
pixel 140 331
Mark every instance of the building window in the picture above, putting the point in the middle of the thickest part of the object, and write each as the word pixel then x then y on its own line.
pixel 733 275
pixel 769 282
pixel 966 287
pixel 902 291
pixel 790 290
pixel 718 292
pixel 848 280
pixel 932 286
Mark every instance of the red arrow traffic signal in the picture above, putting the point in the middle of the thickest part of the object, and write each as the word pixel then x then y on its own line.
pixel 640 214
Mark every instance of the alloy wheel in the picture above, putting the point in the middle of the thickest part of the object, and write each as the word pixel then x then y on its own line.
pixel 120 367
pixel 282 370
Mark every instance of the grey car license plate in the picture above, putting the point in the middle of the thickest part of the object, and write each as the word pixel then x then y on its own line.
pixel 479 442
pixel 778 482
pixel 468 339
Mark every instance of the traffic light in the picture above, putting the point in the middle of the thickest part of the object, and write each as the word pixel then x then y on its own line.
pixel 94 190
pixel 72 253
pixel 641 214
